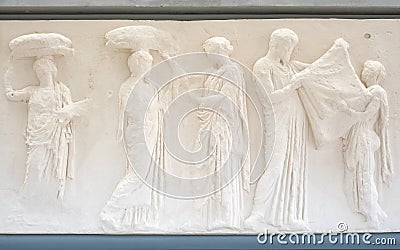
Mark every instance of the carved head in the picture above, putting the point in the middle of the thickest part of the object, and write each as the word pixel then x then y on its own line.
pixel 45 68
pixel 282 42
pixel 139 62
pixel 218 45
pixel 373 73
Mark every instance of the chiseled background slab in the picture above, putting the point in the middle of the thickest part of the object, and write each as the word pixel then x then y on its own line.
pixel 97 72
pixel 96 9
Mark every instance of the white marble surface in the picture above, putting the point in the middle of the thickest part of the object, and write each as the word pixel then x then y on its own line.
pixel 96 72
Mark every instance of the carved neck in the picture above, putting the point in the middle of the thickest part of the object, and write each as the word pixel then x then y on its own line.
pixel 46 80
pixel 278 57
pixel 138 73
pixel 223 60
pixel 369 83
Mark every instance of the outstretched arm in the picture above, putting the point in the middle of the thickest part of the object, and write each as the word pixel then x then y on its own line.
pixel 370 110
pixel 278 95
pixel 21 95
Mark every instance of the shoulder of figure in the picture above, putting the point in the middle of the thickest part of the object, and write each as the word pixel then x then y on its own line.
pixel 234 67
pixel 263 64
pixel 377 89
pixel 129 81
pixel 235 64
pixel 378 92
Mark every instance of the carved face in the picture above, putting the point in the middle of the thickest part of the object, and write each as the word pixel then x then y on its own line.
pixel 368 76
pixel 139 62
pixel 373 73
pixel 44 68
pixel 218 45
pixel 282 43
pixel 285 49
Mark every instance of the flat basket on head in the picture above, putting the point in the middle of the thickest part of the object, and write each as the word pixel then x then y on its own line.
pixel 41 44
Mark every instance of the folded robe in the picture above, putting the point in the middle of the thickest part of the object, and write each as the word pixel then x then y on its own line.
pixel 328 85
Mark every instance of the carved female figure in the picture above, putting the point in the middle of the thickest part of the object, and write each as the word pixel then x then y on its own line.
pixel 224 209
pixel 280 194
pixel 365 147
pixel 138 62
pixel 49 132
pixel 133 205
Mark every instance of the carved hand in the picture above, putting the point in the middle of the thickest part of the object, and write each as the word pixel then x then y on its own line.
pixel 63 117
pixel 342 106
pixel 342 42
pixel 360 116
pixel 296 82
pixel 165 55
pixel 351 112
pixel 9 93
pixel 7 85
pixel 8 89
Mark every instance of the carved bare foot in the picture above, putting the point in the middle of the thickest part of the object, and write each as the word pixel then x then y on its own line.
pixel 252 221
pixel 297 225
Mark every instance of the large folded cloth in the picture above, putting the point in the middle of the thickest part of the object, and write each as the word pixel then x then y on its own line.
pixel 328 85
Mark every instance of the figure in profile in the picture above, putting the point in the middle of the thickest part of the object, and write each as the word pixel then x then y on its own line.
pixel 134 205
pixel 225 90
pixel 366 149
